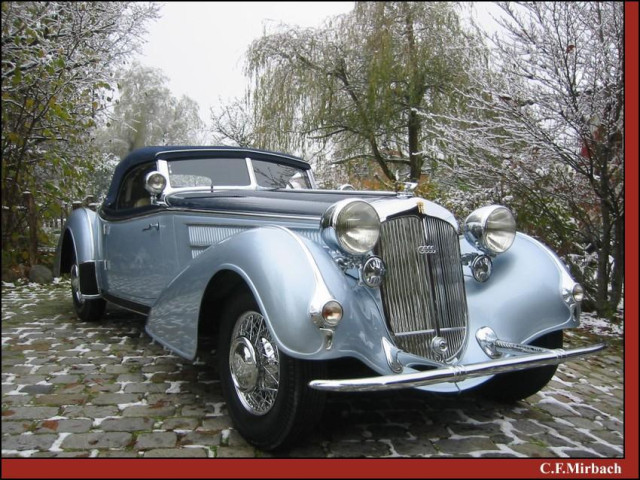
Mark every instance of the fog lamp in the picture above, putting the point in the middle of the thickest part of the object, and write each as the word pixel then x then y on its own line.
pixel 481 268
pixel 372 272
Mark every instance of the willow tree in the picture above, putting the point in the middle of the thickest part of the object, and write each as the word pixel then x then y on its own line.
pixel 356 84
pixel 147 113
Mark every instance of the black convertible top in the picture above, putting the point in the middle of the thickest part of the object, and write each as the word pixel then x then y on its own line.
pixel 149 154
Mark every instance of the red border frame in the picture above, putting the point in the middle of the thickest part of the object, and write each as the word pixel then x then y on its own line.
pixel 300 468
pixel 414 468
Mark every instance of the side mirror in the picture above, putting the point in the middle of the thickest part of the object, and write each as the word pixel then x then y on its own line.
pixel 346 186
pixel 155 183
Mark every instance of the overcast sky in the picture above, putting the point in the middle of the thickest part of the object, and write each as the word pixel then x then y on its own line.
pixel 199 46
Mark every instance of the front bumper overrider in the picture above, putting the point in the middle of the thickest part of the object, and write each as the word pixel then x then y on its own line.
pixel 523 357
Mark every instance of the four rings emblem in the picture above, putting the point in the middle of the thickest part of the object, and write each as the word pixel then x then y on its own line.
pixel 427 249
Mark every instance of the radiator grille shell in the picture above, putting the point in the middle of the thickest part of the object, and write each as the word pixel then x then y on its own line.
pixel 423 292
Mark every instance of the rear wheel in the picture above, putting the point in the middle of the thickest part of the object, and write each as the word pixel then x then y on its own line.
pixel 514 386
pixel 87 309
pixel 266 391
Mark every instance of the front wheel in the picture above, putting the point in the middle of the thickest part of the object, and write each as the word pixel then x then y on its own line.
pixel 514 386
pixel 87 309
pixel 266 391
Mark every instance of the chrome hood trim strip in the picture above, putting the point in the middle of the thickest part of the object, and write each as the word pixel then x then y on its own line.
pixel 456 373
pixel 310 218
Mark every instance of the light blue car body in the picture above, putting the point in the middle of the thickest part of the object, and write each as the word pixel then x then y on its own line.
pixel 164 262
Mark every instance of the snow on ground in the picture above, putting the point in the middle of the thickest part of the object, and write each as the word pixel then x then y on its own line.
pixel 600 326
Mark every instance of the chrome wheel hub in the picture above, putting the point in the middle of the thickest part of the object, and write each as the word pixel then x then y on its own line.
pixel 254 363
pixel 244 366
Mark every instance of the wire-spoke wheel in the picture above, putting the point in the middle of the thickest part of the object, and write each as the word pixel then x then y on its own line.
pixel 266 391
pixel 254 364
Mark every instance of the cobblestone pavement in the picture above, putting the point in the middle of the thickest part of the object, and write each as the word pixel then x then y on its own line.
pixel 73 389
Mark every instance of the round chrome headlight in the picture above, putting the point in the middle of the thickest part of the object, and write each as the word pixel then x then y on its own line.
pixel 353 226
pixel 491 229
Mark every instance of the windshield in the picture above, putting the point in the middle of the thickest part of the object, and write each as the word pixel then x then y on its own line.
pixel 209 172
pixel 277 175
pixel 212 173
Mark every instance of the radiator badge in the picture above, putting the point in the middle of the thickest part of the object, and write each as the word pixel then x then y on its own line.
pixel 427 249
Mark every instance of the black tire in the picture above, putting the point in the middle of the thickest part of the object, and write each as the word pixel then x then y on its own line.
pixel 87 309
pixel 514 386
pixel 266 391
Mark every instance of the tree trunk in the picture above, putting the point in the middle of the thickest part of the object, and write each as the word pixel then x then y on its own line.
pixel 415 97
pixel 415 158
pixel 617 271
pixel 380 159
pixel 32 221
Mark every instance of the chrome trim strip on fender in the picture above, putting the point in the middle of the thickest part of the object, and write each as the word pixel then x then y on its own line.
pixel 321 294
pixel 456 373
pixel 312 261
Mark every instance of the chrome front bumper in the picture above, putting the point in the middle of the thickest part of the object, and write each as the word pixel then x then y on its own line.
pixel 526 356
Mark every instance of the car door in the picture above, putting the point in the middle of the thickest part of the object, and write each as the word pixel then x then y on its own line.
pixel 139 243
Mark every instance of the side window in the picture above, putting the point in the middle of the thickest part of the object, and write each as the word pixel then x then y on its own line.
pixel 132 193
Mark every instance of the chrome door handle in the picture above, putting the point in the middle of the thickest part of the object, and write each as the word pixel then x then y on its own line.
pixel 152 225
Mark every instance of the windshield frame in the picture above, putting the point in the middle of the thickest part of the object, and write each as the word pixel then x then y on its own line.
pixel 163 167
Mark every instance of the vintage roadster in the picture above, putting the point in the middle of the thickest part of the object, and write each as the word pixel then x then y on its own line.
pixel 293 282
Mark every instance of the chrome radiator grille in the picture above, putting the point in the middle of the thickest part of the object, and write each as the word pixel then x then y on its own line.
pixel 423 292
